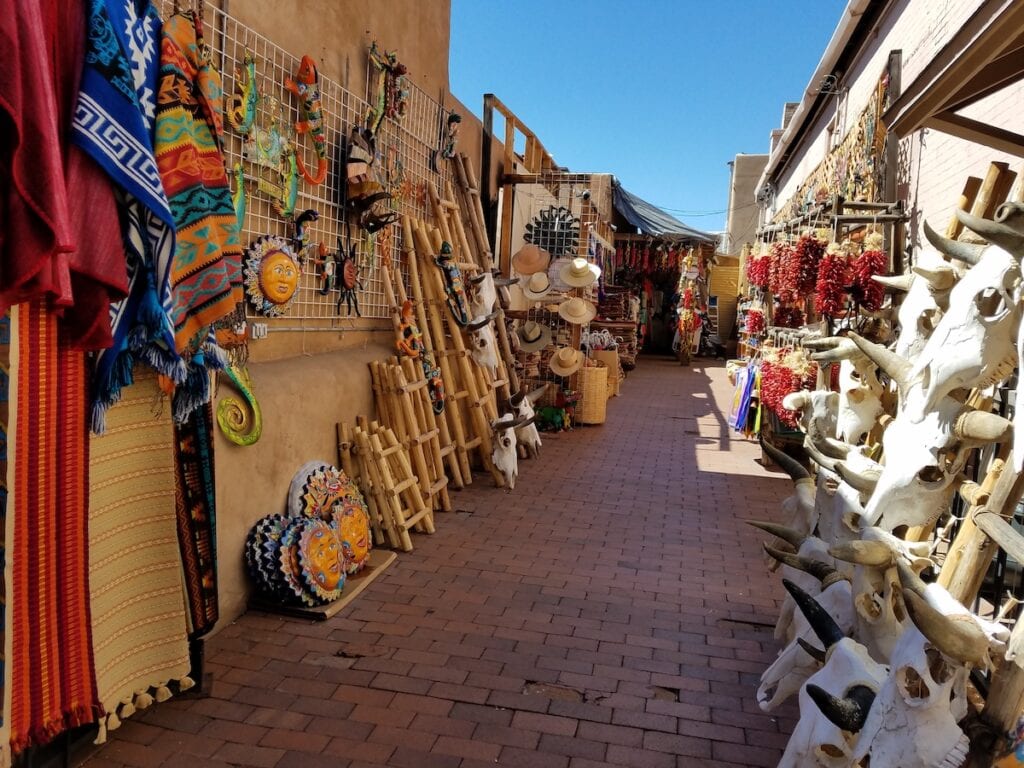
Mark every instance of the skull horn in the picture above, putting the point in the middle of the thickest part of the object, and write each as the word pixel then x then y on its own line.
pixel 821 622
pixel 965 252
pixel 479 322
pixel 894 283
pixel 849 712
pixel 791 466
pixel 833 448
pixel 873 554
pixel 895 367
pixel 823 572
pixel 865 482
pixel 958 638
pixel 940 279
pixel 791 536
pixel 815 653
pixel 983 427
pixel 909 580
pixel 1008 236
pixel 818 457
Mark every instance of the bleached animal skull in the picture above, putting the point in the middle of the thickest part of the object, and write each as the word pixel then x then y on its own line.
pixel 503 451
pixel 527 434
pixel 860 402
pixel 799 508
pixel 818 411
pixel 973 344
pixel 831 616
pixel 841 690
pixel 927 289
pixel 485 295
pixel 913 722
pixel 483 345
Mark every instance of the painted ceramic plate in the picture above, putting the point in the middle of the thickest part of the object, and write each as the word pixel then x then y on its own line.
pixel 289 562
pixel 272 528
pixel 324 488
pixel 351 521
pixel 297 487
pixel 322 560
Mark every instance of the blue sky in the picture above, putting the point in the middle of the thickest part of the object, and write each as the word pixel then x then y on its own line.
pixel 661 93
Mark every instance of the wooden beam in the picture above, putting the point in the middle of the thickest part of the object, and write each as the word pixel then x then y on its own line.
pixel 996 75
pixel 977 132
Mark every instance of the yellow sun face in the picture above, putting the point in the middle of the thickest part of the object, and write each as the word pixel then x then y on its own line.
pixel 279 277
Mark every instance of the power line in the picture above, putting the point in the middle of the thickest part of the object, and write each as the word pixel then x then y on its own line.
pixel 685 212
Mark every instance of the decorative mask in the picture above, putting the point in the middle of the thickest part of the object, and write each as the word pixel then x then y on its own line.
pixel 272 273
pixel 504 454
pixel 483 345
pixel 322 559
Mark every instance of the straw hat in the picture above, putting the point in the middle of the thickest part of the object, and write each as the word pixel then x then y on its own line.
pixel 566 361
pixel 577 311
pixel 533 336
pixel 531 258
pixel 537 287
pixel 579 273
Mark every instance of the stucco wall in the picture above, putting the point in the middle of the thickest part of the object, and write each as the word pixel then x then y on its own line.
pixel 306 382
pixel 741 223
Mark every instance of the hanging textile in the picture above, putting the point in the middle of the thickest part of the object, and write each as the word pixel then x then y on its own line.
pixel 35 236
pixel 138 608
pixel 5 540
pixel 196 504
pixel 114 125
pixel 206 276
pixel 53 686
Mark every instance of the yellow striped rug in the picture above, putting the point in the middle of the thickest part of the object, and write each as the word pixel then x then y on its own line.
pixel 138 607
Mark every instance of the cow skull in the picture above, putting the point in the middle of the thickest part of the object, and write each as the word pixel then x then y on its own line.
pixel 485 295
pixel 860 401
pixel 927 297
pixel 848 672
pixel 527 435
pixel 483 345
pixel 799 508
pixel 973 344
pixel 818 411
pixel 503 451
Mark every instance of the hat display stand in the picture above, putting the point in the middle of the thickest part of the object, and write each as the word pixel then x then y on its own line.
pixel 428 423
pixel 465 397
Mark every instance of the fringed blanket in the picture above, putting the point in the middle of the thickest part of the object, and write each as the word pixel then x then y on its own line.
pixel 197 521
pixel 139 623
pixel 52 680
pixel 114 125
pixel 5 521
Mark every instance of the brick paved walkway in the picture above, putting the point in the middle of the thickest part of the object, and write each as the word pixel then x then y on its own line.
pixel 612 611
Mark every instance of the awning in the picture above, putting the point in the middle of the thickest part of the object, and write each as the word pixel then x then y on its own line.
pixel 651 220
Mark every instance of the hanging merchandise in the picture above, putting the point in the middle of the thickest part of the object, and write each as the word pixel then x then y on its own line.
pixel 454 288
pixel 783 372
pixel 272 273
pixel 577 311
pixel 410 343
pixel 554 230
pixel 533 336
pixel 755 322
pixel 801 268
pixel 873 261
pixel 364 195
pixel 531 259
pixel 392 94
pixel 347 278
pixel 270 149
pixel 306 87
pixel 240 423
pixel 579 273
pixel 117 108
pixel 833 277
pixel 780 254
pixel 246 98
pixel 446 143
pixel 566 361
pixel 788 317
pixel 758 270
pixel 206 270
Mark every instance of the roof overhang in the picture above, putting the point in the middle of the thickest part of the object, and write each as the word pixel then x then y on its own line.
pixel 985 55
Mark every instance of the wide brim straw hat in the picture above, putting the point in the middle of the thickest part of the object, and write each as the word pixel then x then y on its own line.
pixel 579 273
pixel 533 336
pixel 531 258
pixel 577 311
pixel 566 361
pixel 537 287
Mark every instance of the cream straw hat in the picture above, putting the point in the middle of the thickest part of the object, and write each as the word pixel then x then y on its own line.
pixel 566 361
pixel 579 273
pixel 577 311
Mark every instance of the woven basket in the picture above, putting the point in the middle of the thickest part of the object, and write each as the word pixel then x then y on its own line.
pixel 593 405
pixel 610 358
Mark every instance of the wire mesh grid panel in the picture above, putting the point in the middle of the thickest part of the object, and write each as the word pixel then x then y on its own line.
pixel 402 167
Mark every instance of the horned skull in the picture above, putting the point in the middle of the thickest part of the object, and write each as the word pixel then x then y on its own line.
pixel 818 411
pixel 798 508
pixel 483 344
pixel 973 343
pixel 836 698
pixel 503 451
pixel 527 434
pixel 485 295
pixel 860 402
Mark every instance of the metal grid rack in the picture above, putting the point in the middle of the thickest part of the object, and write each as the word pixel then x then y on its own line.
pixel 402 165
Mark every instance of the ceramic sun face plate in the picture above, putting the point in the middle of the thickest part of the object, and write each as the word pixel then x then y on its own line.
pixel 351 521
pixel 261 555
pixel 289 564
pixel 272 272
pixel 325 487
pixel 322 560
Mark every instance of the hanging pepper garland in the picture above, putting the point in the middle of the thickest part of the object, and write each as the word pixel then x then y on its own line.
pixel 801 270
pixel 778 284
pixel 873 261
pixel 755 322
pixel 833 277
pixel 758 268
pixel 783 372
pixel 788 317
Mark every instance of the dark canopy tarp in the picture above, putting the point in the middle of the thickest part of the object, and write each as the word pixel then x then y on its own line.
pixel 651 220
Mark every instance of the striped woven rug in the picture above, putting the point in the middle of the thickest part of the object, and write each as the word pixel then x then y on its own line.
pixel 138 606
pixel 5 575
pixel 50 666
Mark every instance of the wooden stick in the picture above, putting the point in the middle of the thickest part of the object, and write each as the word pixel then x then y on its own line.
pixel 477 222
pixel 349 465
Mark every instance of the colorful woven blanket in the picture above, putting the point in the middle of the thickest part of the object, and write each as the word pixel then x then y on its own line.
pixel 138 610
pixel 5 521
pixel 196 516
pixel 114 125
pixel 53 686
